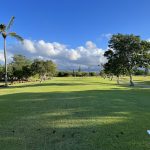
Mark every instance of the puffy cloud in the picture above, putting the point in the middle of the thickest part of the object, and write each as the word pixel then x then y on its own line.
pixel 29 46
pixel 1 56
pixel 9 56
pixel 64 57
pixel 73 55
pixel 90 45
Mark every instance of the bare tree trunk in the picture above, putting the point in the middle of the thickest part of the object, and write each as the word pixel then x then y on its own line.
pixel 111 78
pixel 104 77
pixel 131 80
pixel 118 82
pixel 41 78
pixel 5 57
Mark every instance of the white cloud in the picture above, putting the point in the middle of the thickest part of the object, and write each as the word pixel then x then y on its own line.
pixel 29 46
pixel 73 54
pixel 64 57
pixel 9 56
pixel 1 56
pixel 90 45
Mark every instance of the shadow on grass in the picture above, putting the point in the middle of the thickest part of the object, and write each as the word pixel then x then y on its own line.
pixel 144 82
pixel 36 84
pixel 85 120
pixel 25 85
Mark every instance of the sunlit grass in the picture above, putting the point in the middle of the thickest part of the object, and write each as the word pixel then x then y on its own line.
pixel 75 114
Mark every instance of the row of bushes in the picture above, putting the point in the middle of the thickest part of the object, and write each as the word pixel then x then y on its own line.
pixel 91 74
pixel 141 72
pixel 75 74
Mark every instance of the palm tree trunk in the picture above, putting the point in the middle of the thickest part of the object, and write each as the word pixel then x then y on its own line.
pixel 5 57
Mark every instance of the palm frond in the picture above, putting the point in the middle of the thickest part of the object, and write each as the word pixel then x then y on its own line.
pixel 10 23
pixel 18 37
pixel 2 27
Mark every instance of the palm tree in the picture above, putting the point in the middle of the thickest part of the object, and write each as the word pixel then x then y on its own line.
pixel 4 31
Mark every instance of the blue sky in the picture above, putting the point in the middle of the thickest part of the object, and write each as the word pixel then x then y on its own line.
pixel 74 22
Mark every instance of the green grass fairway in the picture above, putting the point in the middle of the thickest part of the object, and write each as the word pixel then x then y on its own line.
pixel 75 114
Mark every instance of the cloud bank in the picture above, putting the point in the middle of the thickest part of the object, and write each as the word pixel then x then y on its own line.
pixel 66 58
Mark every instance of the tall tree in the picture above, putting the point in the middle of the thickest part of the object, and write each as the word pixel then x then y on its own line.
pixel 19 68
pixel 114 65
pixel 4 30
pixel 43 68
pixel 20 61
pixel 127 51
pixel 144 60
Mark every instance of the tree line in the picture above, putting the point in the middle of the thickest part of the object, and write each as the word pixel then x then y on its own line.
pixel 22 68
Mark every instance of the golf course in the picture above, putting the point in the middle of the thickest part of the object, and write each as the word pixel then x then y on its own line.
pixel 76 113
pixel 75 75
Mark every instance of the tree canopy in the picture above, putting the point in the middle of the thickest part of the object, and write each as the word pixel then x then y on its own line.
pixel 125 53
pixel 43 68
pixel 22 68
